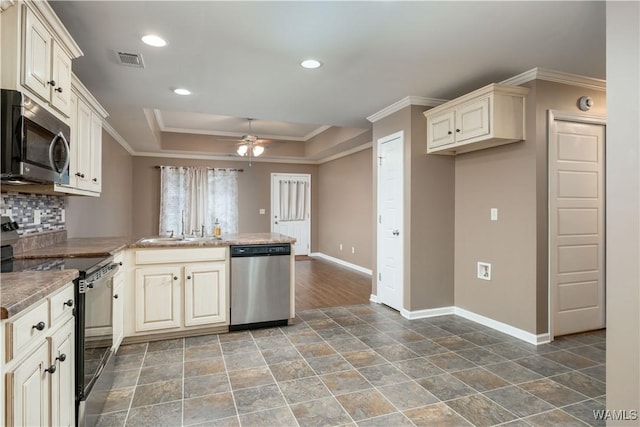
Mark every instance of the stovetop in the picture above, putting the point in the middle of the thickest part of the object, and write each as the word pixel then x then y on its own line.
pixel 84 265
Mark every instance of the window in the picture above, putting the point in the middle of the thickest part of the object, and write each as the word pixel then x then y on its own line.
pixel 196 197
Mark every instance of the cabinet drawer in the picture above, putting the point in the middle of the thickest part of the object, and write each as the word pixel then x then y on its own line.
pixel 168 256
pixel 58 306
pixel 22 331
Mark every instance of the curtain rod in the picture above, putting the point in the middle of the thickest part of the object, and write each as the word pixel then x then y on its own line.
pixel 220 169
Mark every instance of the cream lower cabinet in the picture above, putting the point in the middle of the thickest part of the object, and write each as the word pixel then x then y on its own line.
pixel 38 363
pixel 180 289
pixel 118 310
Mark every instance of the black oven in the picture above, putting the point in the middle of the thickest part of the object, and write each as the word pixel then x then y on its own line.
pixel 34 143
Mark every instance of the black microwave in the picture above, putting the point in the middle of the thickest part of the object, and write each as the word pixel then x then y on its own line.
pixel 34 144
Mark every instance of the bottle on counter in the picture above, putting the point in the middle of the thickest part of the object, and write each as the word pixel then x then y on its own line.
pixel 217 231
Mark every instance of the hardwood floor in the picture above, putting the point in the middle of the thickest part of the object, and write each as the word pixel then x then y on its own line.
pixel 321 283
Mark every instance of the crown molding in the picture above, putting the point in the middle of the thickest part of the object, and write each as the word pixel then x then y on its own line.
pixel 345 153
pixel 315 132
pixel 405 102
pixel 558 77
pixel 114 133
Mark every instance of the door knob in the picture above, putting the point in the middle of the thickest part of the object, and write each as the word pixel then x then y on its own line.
pixel 396 232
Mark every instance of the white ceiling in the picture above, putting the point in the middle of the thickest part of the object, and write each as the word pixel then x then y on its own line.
pixel 241 59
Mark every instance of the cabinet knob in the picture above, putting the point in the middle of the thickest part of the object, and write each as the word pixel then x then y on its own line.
pixel 120 263
pixel 115 296
pixel 51 369
pixel 95 179
pixel 458 130
pixel 52 82
pixel 39 326
pixel 58 89
pixel 175 277
pixel 62 357
pixel 449 133
pixel 188 277
pixel 81 175
pixel 69 303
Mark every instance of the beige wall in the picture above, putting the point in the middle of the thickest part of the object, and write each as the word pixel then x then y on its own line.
pixel 623 208
pixel 512 178
pixel 254 189
pixel 109 214
pixel 344 212
pixel 428 213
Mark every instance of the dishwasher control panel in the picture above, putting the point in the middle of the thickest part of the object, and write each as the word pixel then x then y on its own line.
pixel 261 250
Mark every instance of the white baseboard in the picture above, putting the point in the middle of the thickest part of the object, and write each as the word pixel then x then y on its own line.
pixel 503 327
pixel 342 262
pixel 431 312
pixel 374 298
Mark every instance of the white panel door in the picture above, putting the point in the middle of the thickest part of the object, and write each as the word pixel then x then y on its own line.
pixel 291 215
pixel 576 206
pixel 390 213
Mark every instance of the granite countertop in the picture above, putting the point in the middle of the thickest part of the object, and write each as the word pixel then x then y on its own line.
pixel 226 240
pixel 20 290
pixel 80 247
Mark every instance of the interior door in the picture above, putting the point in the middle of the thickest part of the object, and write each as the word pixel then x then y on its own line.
pixel 390 221
pixel 576 206
pixel 291 208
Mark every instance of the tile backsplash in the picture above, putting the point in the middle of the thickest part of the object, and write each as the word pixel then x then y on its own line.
pixel 23 208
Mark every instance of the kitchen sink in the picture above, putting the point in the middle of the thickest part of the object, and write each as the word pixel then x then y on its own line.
pixel 159 239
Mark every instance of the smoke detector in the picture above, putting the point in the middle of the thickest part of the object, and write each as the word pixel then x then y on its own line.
pixel 130 59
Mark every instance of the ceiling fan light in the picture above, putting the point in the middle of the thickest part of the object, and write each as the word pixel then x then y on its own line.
pixel 242 150
pixel 257 150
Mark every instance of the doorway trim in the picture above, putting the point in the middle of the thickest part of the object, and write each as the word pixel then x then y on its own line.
pixel 552 117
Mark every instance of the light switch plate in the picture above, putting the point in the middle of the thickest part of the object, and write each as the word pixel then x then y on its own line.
pixel 484 270
pixel 262 211
pixel 494 214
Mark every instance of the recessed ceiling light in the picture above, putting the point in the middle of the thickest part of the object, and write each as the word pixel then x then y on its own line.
pixel 182 91
pixel 153 40
pixel 310 63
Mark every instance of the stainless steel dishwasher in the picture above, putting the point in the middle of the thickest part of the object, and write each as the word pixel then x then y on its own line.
pixel 260 285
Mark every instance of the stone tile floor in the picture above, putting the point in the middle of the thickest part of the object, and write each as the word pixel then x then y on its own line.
pixel 361 365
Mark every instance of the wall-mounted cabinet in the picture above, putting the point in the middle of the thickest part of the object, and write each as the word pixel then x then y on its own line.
pixel 36 55
pixel 487 117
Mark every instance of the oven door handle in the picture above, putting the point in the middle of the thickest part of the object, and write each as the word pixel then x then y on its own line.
pixel 85 285
pixel 54 141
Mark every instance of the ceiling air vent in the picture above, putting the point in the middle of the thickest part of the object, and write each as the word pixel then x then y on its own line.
pixel 130 59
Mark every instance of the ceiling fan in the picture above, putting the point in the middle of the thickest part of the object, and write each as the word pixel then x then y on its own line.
pixel 250 145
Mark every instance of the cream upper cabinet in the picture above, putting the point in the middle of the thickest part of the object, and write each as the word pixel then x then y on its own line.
pixel 95 158
pixel 487 117
pixel 44 60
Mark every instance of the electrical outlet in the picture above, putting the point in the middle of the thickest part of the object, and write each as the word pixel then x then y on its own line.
pixel 340 246
pixel 494 214
pixel 262 211
pixel 353 250
pixel 37 214
pixel 484 270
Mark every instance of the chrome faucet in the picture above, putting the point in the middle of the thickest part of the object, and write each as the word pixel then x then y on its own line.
pixel 202 231
pixel 171 235
pixel 182 219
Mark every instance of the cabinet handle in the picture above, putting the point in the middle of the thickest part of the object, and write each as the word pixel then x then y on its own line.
pixel 62 357
pixel 449 133
pixel 188 277
pixel 51 369
pixel 52 82
pixel 81 175
pixel 115 296
pixel 58 89
pixel 458 130
pixel 39 326
pixel 95 179
pixel 120 263
pixel 69 303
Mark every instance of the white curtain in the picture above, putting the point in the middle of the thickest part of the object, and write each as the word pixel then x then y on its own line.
pixel 196 196
pixel 293 200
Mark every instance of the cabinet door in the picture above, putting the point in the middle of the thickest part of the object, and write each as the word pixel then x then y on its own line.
pixel 37 56
pixel 96 154
pixel 28 391
pixel 118 310
pixel 73 143
pixel 83 145
pixel 472 120
pixel 205 296
pixel 63 379
pixel 440 130
pixel 157 298
pixel 61 74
